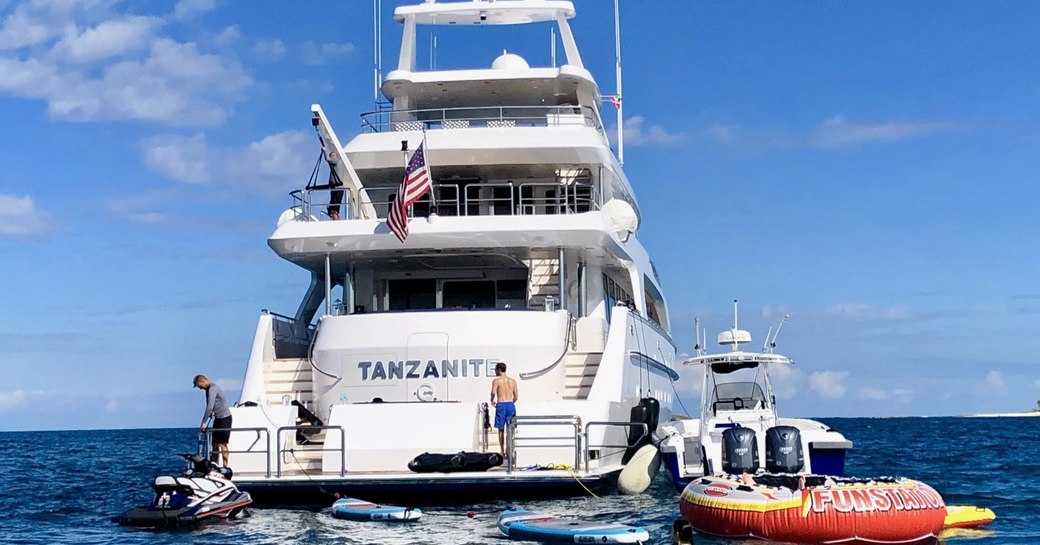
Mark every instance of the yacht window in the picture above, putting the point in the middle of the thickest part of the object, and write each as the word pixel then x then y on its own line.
pixel 654 303
pixel 412 294
pixel 469 294
pixel 613 293
pixel 512 294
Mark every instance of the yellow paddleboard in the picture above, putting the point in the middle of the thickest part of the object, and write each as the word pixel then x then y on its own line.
pixel 967 516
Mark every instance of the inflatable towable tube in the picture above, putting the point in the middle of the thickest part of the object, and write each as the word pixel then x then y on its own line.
pixel 885 510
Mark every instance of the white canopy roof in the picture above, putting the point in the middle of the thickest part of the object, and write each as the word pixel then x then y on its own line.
pixel 483 12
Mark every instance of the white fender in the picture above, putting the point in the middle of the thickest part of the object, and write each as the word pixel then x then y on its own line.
pixel 639 472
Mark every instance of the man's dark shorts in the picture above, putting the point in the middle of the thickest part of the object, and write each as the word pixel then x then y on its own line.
pixel 221 437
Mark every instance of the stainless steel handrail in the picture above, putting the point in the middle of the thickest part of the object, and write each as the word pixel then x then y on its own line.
pixel 567 345
pixel 570 198
pixel 342 446
pixel 606 423
pixel 543 420
pixel 206 442
pixel 478 116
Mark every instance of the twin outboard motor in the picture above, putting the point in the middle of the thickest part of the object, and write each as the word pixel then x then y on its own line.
pixel 739 451
pixel 648 411
pixel 784 450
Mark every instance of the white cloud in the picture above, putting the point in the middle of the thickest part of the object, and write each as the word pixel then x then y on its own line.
pixel 828 384
pixel 995 380
pixel 638 133
pixel 719 132
pixel 271 50
pixel 186 9
pixel 19 29
pixel 862 311
pixel 896 395
pixel 107 39
pixel 788 382
pixel 112 405
pixel 143 76
pixel 836 132
pixel 228 36
pixel 180 158
pixel 315 54
pixel 17 398
pixel 19 218
pixel 274 164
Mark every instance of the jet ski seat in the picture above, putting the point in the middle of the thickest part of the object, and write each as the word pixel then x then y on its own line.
pixel 164 481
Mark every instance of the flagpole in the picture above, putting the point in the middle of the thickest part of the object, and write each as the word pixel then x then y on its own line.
pixel 621 103
pixel 429 171
pixel 404 153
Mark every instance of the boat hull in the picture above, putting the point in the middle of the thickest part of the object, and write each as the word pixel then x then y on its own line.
pixel 427 489
pixel 892 511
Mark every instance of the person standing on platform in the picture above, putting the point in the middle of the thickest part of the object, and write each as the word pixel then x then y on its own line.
pixel 504 389
pixel 217 408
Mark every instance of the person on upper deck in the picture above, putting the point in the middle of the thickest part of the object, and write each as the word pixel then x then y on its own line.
pixel 504 389
pixel 335 193
pixel 217 408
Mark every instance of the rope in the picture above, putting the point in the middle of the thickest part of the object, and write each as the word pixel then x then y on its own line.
pixel 583 485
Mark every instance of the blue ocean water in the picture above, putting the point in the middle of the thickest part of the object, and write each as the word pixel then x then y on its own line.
pixel 62 487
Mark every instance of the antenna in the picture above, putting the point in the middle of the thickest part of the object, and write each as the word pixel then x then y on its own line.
pixel 377 53
pixel 697 331
pixel 772 344
pixel 735 315
pixel 765 344
pixel 620 102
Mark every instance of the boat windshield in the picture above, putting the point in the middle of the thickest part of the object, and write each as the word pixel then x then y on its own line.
pixel 736 396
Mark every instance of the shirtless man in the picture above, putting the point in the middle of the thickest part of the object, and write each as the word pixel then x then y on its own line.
pixel 504 389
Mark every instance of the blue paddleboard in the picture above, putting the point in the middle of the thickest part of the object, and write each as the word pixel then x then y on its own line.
pixel 355 509
pixel 520 524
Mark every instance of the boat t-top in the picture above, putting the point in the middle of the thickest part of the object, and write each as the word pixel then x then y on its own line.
pixel 738 418
pixel 479 217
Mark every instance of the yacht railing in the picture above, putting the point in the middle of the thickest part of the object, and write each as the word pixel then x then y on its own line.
pixel 589 447
pixel 577 439
pixel 493 117
pixel 483 199
pixel 206 444
pixel 550 441
pixel 342 450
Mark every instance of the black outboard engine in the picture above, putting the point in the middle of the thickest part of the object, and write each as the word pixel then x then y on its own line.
pixel 648 411
pixel 739 451
pixel 784 450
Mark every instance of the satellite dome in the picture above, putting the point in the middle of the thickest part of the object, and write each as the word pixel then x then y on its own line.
pixel 509 61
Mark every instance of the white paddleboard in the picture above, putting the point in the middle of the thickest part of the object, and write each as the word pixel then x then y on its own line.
pixel 526 525
pixel 355 509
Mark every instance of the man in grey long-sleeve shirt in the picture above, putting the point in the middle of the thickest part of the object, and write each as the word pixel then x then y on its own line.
pixel 216 407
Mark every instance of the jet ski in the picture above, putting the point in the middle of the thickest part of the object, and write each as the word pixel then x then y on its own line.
pixel 203 492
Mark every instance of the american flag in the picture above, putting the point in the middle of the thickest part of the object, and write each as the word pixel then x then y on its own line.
pixel 415 184
pixel 616 101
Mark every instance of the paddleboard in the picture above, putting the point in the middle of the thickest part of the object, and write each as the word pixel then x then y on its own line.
pixel 355 509
pixel 967 516
pixel 527 525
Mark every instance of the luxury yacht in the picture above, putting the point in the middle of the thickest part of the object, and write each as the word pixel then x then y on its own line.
pixel 523 251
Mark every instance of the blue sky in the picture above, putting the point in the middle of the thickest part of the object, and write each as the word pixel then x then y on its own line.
pixel 865 167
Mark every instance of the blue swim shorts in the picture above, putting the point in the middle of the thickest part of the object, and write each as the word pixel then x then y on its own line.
pixel 504 410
